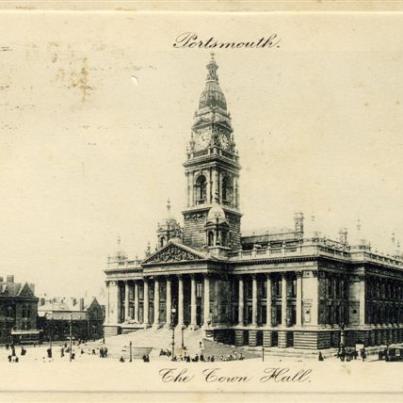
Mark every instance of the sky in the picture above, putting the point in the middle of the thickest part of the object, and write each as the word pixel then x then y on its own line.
pixel 96 111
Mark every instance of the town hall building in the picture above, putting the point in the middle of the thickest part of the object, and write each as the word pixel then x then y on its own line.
pixel 289 288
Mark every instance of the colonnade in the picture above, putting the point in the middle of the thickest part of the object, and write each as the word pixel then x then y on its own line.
pixel 125 294
pixel 172 310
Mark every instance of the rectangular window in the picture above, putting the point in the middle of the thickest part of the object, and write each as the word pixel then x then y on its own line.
pixel 278 314
pixel 248 289
pixel 199 290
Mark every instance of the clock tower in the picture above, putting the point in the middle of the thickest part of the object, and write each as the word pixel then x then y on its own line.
pixel 212 217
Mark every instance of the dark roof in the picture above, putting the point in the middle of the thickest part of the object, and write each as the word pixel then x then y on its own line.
pixel 11 289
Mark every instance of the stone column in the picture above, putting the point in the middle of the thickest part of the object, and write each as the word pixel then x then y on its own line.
pixel 208 188
pixel 108 296
pixel 240 302
pixel 168 304
pixel 254 300
pixel 193 321
pixel 114 303
pixel 156 303
pixel 136 301
pixel 126 301
pixel 215 184
pixel 283 300
pixel 188 190
pixel 206 302
pixel 268 301
pixel 145 304
pixel 362 300
pixel 192 189
pixel 298 301
pixel 180 301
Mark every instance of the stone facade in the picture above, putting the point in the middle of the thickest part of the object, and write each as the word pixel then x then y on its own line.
pixel 18 311
pixel 285 288
pixel 56 316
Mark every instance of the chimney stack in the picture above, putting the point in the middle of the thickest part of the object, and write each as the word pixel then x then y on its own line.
pixel 299 223
pixel 81 304
pixel 343 236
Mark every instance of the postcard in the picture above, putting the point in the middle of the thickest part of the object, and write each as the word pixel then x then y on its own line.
pixel 200 205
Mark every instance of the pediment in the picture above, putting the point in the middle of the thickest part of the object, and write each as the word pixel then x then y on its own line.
pixel 173 253
pixel 26 291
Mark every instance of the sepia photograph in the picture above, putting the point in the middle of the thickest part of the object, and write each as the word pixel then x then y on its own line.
pixel 196 203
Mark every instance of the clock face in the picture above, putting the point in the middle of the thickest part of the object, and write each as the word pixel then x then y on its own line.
pixel 202 140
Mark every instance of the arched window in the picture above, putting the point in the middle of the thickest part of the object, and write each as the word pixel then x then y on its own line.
pixel 224 238
pixel 201 190
pixel 227 190
pixel 162 241
pixel 210 239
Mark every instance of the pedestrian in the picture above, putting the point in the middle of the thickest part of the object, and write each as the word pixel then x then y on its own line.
pixel 320 356
pixel 363 354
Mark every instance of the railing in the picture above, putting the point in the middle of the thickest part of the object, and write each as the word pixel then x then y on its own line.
pixel 317 248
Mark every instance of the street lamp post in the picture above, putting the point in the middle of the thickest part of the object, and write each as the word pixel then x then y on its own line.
pixel 173 311
pixel 71 337
pixel 50 330
pixel 182 338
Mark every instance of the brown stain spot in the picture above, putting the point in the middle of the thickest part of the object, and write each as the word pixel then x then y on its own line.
pixel 80 80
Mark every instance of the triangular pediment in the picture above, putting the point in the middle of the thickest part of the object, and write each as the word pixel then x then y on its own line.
pixel 174 252
pixel 26 291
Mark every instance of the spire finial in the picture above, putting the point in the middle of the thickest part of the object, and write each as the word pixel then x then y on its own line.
pixel 119 240
pixel 212 69
pixel 358 224
pixel 169 205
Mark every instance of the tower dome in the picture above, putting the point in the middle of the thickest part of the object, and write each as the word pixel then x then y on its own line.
pixel 216 214
pixel 212 95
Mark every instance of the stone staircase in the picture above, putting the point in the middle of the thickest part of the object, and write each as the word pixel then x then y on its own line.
pixel 151 341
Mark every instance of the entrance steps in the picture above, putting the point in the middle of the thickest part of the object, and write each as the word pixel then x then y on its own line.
pixel 153 340
pixel 297 353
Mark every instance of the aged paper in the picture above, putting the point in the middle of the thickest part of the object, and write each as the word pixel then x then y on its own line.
pixel 224 180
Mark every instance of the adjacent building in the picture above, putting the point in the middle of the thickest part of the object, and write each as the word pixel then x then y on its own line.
pixel 18 311
pixel 285 288
pixel 57 317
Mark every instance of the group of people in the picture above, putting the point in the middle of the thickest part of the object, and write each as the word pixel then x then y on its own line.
pixel 346 354
pixel 351 354
pixel 145 358
pixel 210 358
pixel 13 356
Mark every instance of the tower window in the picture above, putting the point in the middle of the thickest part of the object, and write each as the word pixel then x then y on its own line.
pixel 210 238
pixel 201 190
pixel 227 190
